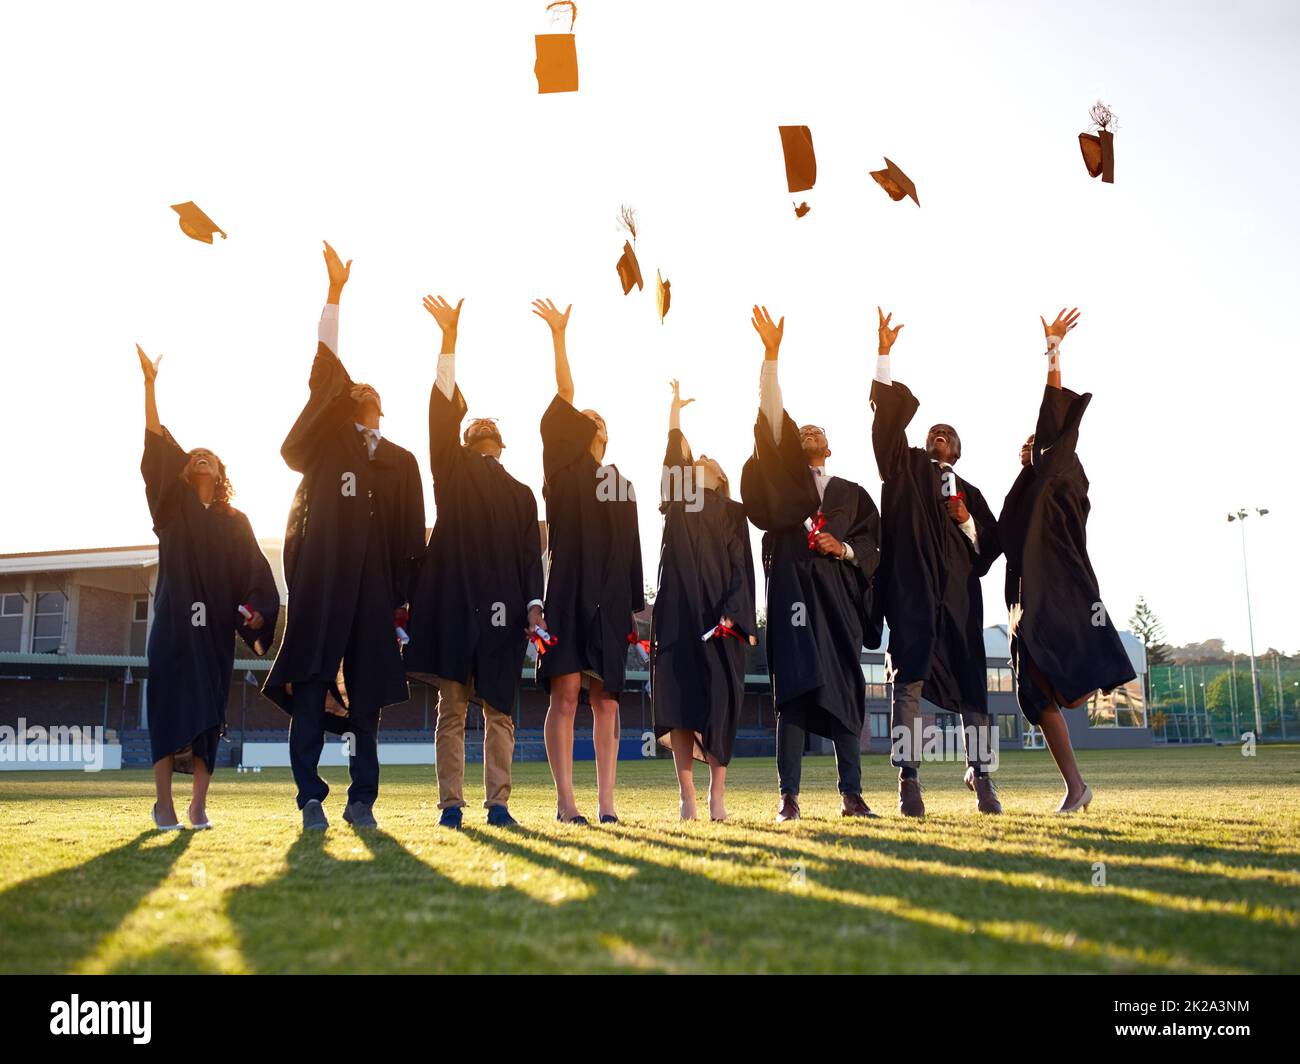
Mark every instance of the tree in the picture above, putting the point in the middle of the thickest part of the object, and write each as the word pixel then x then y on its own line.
pixel 1151 633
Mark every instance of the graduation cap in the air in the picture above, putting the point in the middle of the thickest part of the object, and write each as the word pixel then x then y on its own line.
pixel 195 224
pixel 895 182
pixel 800 159
pixel 663 295
pixel 1099 148
pixel 557 54
pixel 801 209
pixel 629 270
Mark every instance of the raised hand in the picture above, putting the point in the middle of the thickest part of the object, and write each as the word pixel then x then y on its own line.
pixel 887 335
pixel 550 313
pixel 678 401
pixel 1063 324
pixel 338 271
pixel 447 316
pixel 147 365
pixel 770 331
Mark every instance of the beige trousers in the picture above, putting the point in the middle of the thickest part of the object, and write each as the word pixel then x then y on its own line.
pixel 449 744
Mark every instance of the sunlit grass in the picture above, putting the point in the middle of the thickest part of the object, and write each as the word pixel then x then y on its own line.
pixel 1200 851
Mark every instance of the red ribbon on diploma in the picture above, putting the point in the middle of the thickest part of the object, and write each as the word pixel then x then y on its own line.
pixel 542 639
pixel 642 646
pixel 721 631
pixel 814 524
pixel 401 618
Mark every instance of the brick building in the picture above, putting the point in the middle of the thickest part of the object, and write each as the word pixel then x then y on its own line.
pixel 74 625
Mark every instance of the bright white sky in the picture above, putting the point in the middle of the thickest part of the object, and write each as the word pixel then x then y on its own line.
pixel 413 138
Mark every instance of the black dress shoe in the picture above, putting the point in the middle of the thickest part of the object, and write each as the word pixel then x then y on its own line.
pixel 608 818
pixel 577 818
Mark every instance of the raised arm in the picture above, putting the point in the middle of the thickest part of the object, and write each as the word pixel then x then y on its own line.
pixel 329 404
pixel 1055 334
pixel 885 340
pixel 550 313
pixel 446 404
pixel 150 370
pixel 448 319
pixel 770 404
pixel 893 404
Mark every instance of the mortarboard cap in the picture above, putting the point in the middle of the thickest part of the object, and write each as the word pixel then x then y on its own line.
pixel 557 55
pixel 195 224
pixel 800 160
pixel 663 295
pixel 895 182
pixel 1099 154
pixel 629 270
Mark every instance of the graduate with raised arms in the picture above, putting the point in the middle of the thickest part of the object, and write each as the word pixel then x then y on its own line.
pixel 354 538
pixel 479 594
pixel 213 582
pixel 821 542
pixel 940 537
pixel 1063 646
pixel 593 586
pixel 703 617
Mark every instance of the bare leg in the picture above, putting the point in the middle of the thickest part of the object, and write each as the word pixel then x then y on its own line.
pixel 717 789
pixel 162 784
pixel 1057 734
pixel 604 729
pixel 199 795
pixel 558 732
pixel 684 762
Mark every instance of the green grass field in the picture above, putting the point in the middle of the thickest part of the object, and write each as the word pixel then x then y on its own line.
pixel 1201 850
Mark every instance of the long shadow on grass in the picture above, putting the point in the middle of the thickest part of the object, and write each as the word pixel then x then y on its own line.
pixel 391 912
pixel 53 921
pixel 1202 939
pixel 667 917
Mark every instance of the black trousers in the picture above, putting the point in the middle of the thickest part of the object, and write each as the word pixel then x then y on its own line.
pixel 307 729
pixel 790 737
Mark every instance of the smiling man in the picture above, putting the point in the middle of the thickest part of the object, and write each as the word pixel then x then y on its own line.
pixel 354 537
pixel 940 537
pixel 821 537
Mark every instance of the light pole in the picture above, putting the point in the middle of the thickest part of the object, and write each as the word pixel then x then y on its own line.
pixel 1241 516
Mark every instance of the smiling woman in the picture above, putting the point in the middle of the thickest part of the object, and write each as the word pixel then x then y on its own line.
pixel 213 582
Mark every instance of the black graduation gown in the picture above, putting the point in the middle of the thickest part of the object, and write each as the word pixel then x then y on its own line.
pixel 929 576
pixel 206 555
pixel 816 665
pixel 482 567
pixel 1051 590
pixel 354 537
pixel 706 571
pixel 593 583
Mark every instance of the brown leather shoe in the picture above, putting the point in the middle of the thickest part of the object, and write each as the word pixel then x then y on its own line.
pixel 986 792
pixel 789 809
pixel 910 802
pixel 853 805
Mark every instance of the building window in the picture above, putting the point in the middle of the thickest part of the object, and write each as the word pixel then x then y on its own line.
pixel 880 725
pixel 877 686
pixel 139 626
pixel 1000 680
pixel 1008 727
pixel 11 622
pixel 1124 707
pixel 47 622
